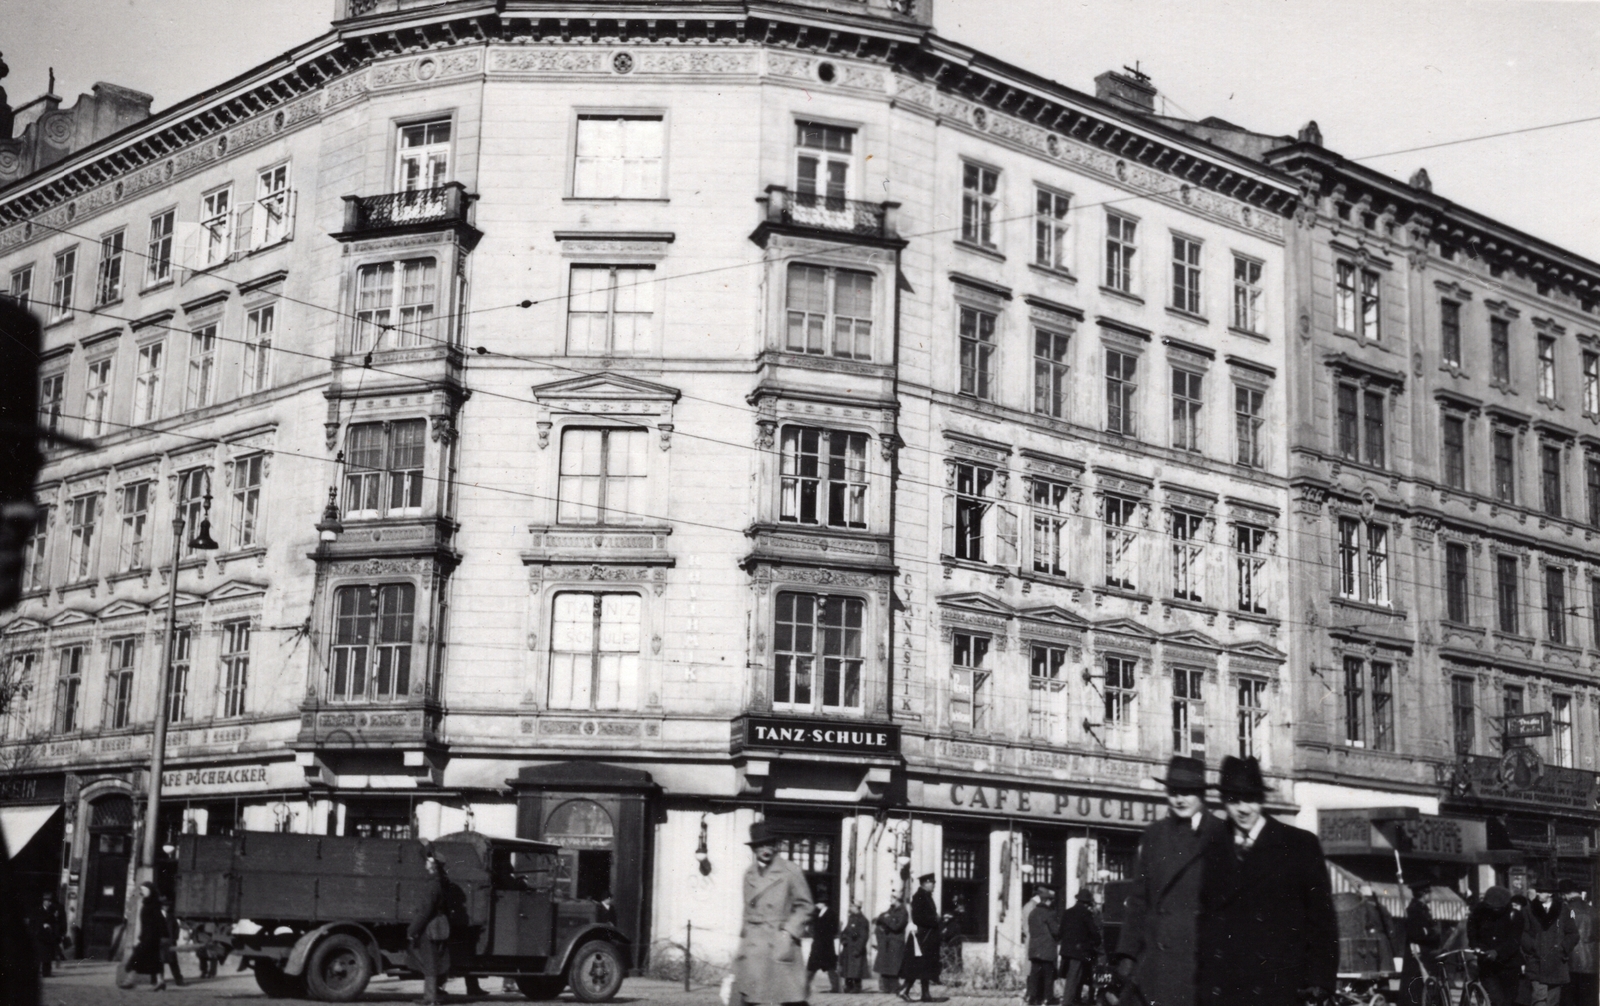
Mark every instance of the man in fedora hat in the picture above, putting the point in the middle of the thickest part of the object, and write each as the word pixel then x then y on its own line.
pixel 923 943
pixel 1080 944
pixel 1268 935
pixel 769 967
pixel 1157 948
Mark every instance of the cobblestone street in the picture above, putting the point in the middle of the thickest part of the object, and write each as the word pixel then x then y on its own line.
pixel 92 983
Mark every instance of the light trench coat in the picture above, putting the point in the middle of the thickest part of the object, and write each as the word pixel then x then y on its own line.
pixel 777 905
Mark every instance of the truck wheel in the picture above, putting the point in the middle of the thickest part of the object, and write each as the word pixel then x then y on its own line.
pixel 276 984
pixel 540 988
pixel 596 972
pixel 339 969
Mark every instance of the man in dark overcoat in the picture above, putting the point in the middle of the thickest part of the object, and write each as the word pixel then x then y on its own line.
pixel 853 949
pixel 921 963
pixel 1423 941
pixel 1044 937
pixel 1081 938
pixel 429 931
pixel 1268 934
pixel 824 954
pixel 891 930
pixel 1156 952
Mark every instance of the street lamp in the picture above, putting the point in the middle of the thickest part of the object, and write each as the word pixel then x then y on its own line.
pixel 329 528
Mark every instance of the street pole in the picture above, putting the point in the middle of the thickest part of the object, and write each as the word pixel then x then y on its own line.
pixel 158 744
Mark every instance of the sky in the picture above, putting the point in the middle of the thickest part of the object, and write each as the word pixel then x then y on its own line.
pixel 1377 75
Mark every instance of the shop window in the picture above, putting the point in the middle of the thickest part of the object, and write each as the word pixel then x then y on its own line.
pixel 813 854
pixel 378 819
pixel 964 883
pixel 594 651
pixel 817 655
pixel 1043 865
pixel 587 837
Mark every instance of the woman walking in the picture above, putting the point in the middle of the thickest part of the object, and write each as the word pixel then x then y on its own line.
pixel 148 958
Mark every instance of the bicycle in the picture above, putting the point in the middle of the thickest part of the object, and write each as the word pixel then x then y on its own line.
pixel 1435 990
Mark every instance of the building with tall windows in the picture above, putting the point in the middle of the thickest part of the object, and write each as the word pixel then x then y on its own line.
pixel 905 466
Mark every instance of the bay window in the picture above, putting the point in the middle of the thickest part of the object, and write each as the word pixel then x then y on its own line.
pixel 400 299
pixel 817 652
pixel 383 468
pixel 829 312
pixel 824 477
pixel 372 640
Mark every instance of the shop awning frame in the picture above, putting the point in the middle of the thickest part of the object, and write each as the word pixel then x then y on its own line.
pixel 20 824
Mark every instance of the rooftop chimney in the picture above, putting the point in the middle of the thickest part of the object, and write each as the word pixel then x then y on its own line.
pixel 1130 89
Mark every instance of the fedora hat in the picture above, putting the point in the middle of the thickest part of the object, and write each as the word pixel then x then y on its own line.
pixel 762 833
pixel 1241 777
pixel 1185 774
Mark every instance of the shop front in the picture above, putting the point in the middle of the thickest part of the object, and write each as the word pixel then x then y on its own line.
pixel 1392 848
pixel 1548 813
pixel 33 822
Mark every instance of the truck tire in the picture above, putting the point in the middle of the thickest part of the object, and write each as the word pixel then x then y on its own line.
pixel 339 969
pixel 276 984
pixel 540 988
pixel 596 971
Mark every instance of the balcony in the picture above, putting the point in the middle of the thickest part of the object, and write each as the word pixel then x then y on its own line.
pixel 446 207
pixel 806 213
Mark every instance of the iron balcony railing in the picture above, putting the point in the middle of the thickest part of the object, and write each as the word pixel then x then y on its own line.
pixel 830 213
pixel 446 204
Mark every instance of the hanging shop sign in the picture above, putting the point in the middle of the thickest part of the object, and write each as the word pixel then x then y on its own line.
pixel 1043 804
pixel 1364 832
pixel 1527 725
pixel 795 734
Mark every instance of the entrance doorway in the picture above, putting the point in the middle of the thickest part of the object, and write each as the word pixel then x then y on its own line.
pixel 106 871
pixel 587 837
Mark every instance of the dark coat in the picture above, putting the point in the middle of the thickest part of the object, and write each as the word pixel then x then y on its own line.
pixel 19 970
pixel 147 958
pixel 1158 923
pixel 891 928
pixel 1421 929
pixel 1548 936
pixel 430 954
pixel 1267 927
pixel 922 949
pixel 824 955
pixel 1080 934
pixel 1044 932
pixel 1583 955
pixel 1499 935
pixel 853 948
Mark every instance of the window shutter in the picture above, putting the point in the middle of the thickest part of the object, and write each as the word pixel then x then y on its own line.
pixel 1006 532
pixel 188 240
pixel 961 697
pixel 244 235
pixel 948 546
pixel 288 214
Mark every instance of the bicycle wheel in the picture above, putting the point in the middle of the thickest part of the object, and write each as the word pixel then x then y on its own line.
pixel 1475 995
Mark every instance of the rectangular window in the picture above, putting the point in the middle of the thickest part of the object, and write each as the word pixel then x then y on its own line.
pixel 1050 374
pixel 1119 690
pixel 603 476
pixel 1249 422
pixel 1251 561
pixel 1046 692
pixel 1356 305
pixel 1377 564
pixel 977 352
pixel 1511 701
pixel 397 305
pixel 1120 249
pixel 247 474
pixel 83 513
pixel 61 286
pixel 194 485
pixel 381 456
pixel 1500 350
pixel 69 690
pixel 1550 478
pixel 966 882
pixel 1591 383
pixel 135 506
pixel 1049 542
pixel 1188 712
pixel 1252 715
pixel 1122 542
pixel 1355 701
pixel 594 651
pixel 1382 706
pixel 1369 305
pixel 1363 561
pixel 1463 713
pixel 36 552
pixel 1372 427
pixel 202 367
pixel 1121 387
pixel 147 382
pixel 1247 294
pixel 1455 452
pixel 119 683
pixel 1504 445
pixel 1349 422
pixel 1050 211
pixel 216 226
pixel 1591 473
pixel 1188 555
pixel 611 311
pixel 178 709
pixel 97 397
pixel 824 477
pixel 824 156
pixel 108 278
pixel 236 667
pixel 971 505
pixel 818 636
pixel 1456 583
pixel 1547 368
pixel 1349 558
pixel 1563 752
pixel 1594 609
pixel 970 694
pixel 979 200
pixel 1505 577
pixel 1555 604
pixel 1186 274
pixel 20 289
pixel 272 203
pixel 257 374
pixel 619 157
pixel 373 627
pixel 18 673
pixel 829 312
pixel 1450 332
pixel 52 389
pixel 1186 403
pixel 423 160
pixel 1344 297
pixel 158 249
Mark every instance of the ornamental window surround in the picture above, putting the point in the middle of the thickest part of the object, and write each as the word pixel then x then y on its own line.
pixel 1363 561
pixel 595 645
pixel 1369 713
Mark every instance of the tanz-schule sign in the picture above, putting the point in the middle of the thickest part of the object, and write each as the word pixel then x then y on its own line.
pixel 843 737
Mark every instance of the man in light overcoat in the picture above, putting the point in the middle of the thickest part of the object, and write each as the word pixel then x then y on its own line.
pixel 1157 949
pixel 769 967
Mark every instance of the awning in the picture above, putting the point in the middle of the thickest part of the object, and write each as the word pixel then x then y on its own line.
pixel 20 824
pixel 1444 902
